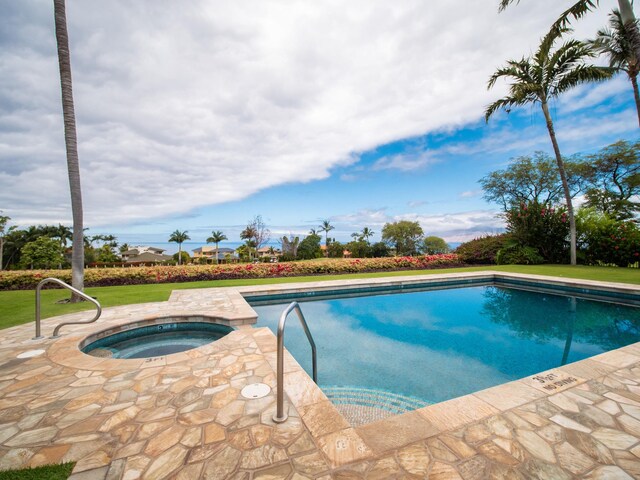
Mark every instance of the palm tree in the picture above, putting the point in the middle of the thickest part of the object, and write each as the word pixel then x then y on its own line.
pixel 71 143
pixel 366 234
pixel 614 43
pixel 581 7
pixel 543 77
pixel 216 237
pixel 326 227
pixel 179 237
pixel 313 231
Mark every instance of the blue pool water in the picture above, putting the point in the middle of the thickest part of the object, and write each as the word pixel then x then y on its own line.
pixel 440 344
pixel 157 340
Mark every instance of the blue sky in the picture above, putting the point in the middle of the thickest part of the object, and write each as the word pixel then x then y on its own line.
pixel 201 118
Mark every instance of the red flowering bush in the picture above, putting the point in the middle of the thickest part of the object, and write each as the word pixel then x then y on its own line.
pixel 28 279
pixel 608 241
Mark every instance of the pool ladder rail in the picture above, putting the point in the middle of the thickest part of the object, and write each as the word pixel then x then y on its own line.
pixel 280 415
pixel 74 290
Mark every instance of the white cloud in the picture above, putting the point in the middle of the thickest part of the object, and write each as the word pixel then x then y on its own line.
pixel 459 226
pixel 471 193
pixel 404 162
pixel 183 106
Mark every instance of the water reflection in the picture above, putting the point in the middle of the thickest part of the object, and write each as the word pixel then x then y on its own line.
pixel 441 344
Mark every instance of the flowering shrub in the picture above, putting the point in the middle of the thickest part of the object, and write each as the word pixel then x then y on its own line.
pixel 605 240
pixel 482 250
pixel 28 279
pixel 540 227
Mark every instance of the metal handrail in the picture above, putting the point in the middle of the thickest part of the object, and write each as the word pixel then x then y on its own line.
pixel 280 415
pixel 68 287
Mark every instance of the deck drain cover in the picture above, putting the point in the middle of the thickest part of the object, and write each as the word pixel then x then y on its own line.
pixel 30 353
pixel 255 390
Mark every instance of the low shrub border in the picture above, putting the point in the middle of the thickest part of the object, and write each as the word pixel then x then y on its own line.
pixel 104 277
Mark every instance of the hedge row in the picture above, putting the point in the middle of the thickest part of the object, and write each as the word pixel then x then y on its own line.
pixel 101 277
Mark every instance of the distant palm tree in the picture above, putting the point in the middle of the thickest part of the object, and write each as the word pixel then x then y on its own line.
pixel 179 237
pixel 542 77
pixel 366 234
pixel 326 227
pixel 313 231
pixel 216 237
pixel 71 143
pixel 614 43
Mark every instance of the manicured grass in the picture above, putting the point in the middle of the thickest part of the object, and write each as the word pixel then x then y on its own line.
pixel 47 472
pixel 17 307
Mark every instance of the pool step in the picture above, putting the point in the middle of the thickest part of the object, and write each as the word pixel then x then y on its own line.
pixel 365 405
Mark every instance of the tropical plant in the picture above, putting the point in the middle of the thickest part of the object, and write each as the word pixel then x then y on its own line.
pixel 541 78
pixel 541 227
pixel 179 238
pixel 358 249
pixel 606 240
pixel 309 248
pixel 434 245
pixel 581 7
pixel 532 179
pixel 290 247
pixel 366 234
pixel 216 237
pixel 482 250
pixel 614 42
pixel 403 235
pixel 44 252
pixel 326 227
pixel 613 180
pixel 71 143
pixel 335 250
pixel 255 233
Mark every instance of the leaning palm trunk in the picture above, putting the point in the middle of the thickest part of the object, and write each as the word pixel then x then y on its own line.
pixel 630 25
pixel 565 184
pixel 636 94
pixel 71 143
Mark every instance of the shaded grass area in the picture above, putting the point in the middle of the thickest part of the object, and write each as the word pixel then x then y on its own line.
pixel 47 472
pixel 18 307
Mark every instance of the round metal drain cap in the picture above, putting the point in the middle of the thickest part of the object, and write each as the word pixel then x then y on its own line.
pixel 30 354
pixel 255 390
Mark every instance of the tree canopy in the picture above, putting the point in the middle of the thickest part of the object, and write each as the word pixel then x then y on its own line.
pixel 403 235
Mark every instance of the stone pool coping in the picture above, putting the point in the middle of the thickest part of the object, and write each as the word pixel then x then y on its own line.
pixel 340 445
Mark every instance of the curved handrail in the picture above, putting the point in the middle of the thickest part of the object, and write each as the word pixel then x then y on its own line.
pixel 280 416
pixel 68 287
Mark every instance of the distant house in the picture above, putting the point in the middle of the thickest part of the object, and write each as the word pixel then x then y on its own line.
pixel 209 253
pixel 270 252
pixel 145 254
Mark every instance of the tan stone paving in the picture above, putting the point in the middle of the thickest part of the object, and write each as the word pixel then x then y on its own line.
pixel 182 416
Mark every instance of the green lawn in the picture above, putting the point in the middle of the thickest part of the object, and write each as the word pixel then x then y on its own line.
pixel 47 472
pixel 17 307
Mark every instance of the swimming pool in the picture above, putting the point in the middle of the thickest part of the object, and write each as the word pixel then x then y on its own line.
pixel 441 344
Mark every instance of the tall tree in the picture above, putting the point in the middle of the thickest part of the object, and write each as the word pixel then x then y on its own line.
pixel 613 180
pixel 541 78
pixel 366 234
pixel 256 232
pixel 216 237
pixel 326 227
pixel 531 179
pixel 404 235
pixel 71 143
pixel 581 7
pixel 179 238
pixel 614 43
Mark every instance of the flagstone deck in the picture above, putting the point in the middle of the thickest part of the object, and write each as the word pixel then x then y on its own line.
pixel 182 416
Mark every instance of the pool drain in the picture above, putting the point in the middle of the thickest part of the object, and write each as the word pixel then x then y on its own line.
pixel 255 390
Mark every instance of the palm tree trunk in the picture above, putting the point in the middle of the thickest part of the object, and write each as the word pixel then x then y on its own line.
pixel 1 251
pixel 631 26
pixel 565 184
pixel 216 253
pixel 71 144
pixel 180 254
pixel 636 94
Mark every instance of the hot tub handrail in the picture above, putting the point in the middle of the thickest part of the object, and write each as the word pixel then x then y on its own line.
pixel 68 287
pixel 280 415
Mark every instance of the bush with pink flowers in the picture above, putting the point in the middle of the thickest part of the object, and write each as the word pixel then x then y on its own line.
pixel 28 279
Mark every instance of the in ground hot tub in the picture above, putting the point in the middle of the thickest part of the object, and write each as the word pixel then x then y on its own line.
pixel 154 338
